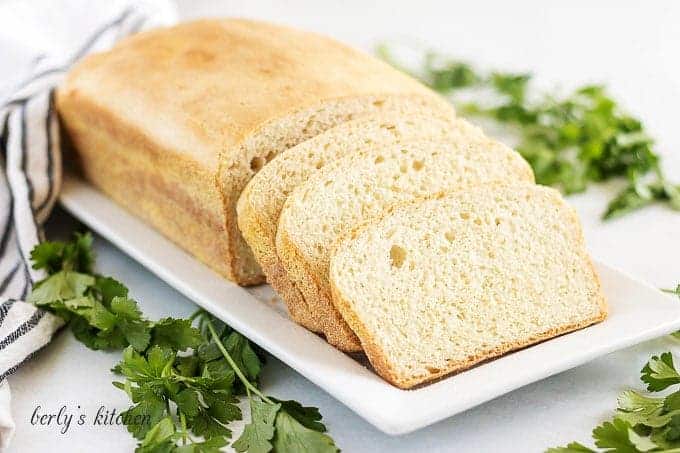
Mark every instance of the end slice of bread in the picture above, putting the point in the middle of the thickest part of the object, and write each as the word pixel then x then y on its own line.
pixel 438 286
pixel 366 185
pixel 260 204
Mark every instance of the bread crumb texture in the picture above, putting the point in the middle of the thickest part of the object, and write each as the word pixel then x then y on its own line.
pixel 364 186
pixel 260 204
pixel 438 286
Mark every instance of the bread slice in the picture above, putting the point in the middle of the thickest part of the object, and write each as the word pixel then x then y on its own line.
pixel 438 286
pixel 172 123
pixel 366 185
pixel 260 203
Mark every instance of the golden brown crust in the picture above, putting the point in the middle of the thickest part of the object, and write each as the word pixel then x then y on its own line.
pixel 337 331
pixel 147 180
pixel 207 95
pixel 253 232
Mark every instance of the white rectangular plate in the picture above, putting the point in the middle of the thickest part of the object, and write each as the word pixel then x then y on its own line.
pixel 637 313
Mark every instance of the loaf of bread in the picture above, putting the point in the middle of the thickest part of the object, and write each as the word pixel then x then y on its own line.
pixel 260 204
pixel 172 123
pixel 441 285
pixel 385 223
pixel 367 184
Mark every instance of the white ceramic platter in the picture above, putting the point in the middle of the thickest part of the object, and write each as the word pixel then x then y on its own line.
pixel 637 313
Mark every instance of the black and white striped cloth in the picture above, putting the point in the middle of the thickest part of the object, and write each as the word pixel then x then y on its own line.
pixel 30 155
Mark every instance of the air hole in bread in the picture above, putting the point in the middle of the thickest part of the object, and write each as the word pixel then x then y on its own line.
pixel 450 236
pixel 379 159
pixel 378 103
pixel 464 215
pixel 256 163
pixel 433 370
pixel 478 221
pixel 403 168
pixel 397 256
pixel 418 165
pixel 319 164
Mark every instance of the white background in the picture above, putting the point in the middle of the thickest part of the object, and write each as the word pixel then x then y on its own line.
pixel 633 47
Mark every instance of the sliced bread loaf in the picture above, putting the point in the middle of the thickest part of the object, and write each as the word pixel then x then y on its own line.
pixel 260 203
pixel 173 122
pixel 438 286
pixel 365 185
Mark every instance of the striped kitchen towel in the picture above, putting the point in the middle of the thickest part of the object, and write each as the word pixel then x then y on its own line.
pixel 39 42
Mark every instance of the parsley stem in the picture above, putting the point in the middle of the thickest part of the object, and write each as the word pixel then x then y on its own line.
pixel 184 427
pixel 231 362
pixel 195 314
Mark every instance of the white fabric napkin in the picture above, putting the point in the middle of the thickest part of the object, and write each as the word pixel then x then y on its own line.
pixel 39 42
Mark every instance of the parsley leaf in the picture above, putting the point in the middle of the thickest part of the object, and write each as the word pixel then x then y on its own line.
pixel 141 417
pixel 307 416
pixel 159 435
pixel 659 373
pixel 177 334
pixel 570 140
pixel 108 288
pixel 259 432
pixel 97 308
pixel 293 437
pixel 59 287
pixel 182 380
pixel 615 435
pixel 76 255
pixel 573 447
pixel 642 423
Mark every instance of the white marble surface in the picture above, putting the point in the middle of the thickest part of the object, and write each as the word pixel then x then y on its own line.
pixel 631 46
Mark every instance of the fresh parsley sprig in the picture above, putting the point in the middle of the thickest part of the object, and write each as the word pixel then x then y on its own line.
pixel 97 308
pixel 184 380
pixel 643 423
pixel 570 141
